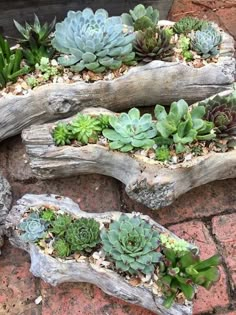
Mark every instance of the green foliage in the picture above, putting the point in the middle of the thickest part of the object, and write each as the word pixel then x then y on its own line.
pixel 140 17
pixel 61 248
pixel 32 81
pixel 221 110
pixel 85 128
pixel 34 228
pixel 206 42
pixel 47 215
pixel 35 40
pixel 177 245
pixel 153 43
pixel 46 68
pixel 83 235
pixel 130 131
pixel 188 56
pixel 104 121
pixel 93 41
pixel 61 224
pixel 61 134
pixel 182 126
pixel 184 45
pixel 184 271
pixel 10 63
pixel 162 153
pixel 132 244
pixel 188 24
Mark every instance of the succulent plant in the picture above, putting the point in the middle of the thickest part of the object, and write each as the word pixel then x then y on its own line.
pixel 85 128
pixel 177 245
pixel 83 235
pixel 46 68
pixel 61 134
pixel 104 121
pixel 35 40
pixel 47 215
pixel 10 63
pixel 34 228
pixel 61 248
pixel 130 131
pixel 93 41
pixel 153 43
pixel 184 45
pixel 61 224
pixel 206 42
pixel 162 153
pixel 141 17
pixel 188 24
pixel 181 272
pixel 221 110
pixel 132 244
pixel 183 126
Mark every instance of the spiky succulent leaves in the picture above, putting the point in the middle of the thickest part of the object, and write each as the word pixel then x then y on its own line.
pixel 153 44
pixel 130 131
pixel 93 41
pixel 188 24
pixel 104 121
pixel 162 153
pixel 33 227
pixel 132 244
pixel 47 215
pixel 206 42
pixel 85 128
pixel 61 224
pixel 61 248
pixel 61 134
pixel 10 63
pixel 221 111
pixel 83 235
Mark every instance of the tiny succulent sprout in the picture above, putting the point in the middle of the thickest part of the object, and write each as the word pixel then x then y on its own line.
pixel 47 215
pixel 61 134
pixel 104 121
pixel 132 244
pixel 162 153
pixel 188 24
pixel 46 68
pixel 83 235
pixel 34 228
pixel 61 224
pixel 61 248
pixel 177 245
pixel 130 131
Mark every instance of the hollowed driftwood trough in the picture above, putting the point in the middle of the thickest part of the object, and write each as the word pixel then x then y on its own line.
pixel 56 271
pixel 146 181
pixel 157 82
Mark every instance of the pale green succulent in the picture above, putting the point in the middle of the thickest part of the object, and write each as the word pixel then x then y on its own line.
pixel 93 41
pixel 130 131
pixel 34 228
pixel 177 245
pixel 132 244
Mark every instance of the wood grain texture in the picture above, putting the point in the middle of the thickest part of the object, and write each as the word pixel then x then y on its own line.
pixel 157 82
pixel 146 180
pixel 55 271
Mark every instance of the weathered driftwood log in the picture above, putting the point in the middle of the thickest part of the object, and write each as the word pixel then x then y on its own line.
pixel 157 82
pixel 55 271
pixel 147 181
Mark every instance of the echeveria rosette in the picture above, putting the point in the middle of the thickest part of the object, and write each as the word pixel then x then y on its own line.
pixel 130 131
pixel 34 228
pixel 93 41
pixel 132 244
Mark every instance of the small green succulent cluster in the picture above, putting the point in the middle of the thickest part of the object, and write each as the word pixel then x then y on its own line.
pixel 132 244
pixel 182 272
pixel 188 24
pixel 33 227
pixel 184 45
pixel 162 153
pixel 177 245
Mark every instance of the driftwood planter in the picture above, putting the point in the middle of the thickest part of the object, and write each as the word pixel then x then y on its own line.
pixel 157 82
pixel 55 271
pixel 146 181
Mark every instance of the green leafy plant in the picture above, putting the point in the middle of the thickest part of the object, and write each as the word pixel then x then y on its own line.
pixel 184 45
pixel 182 126
pixel 130 131
pixel 46 68
pixel 32 81
pixel 34 228
pixel 10 63
pixel 83 235
pixel 104 121
pixel 132 244
pixel 47 215
pixel 162 153
pixel 36 40
pixel 61 134
pixel 61 224
pixel 153 43
pixel 180 273
pixel 188 24
pixel 206 42
pixel 93 41
pixel 61 248
pixel 140 17
pixel 177 245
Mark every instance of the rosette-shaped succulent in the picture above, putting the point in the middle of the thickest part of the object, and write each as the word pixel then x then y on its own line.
pixel 61 134
pixel 153 43
pixel 188 24
pixel 47 215
pixel 60 224
pixel 177 245
pixel 221 110
pixel 34 228
pixel 93 41
pixel 61 248
pixel 132 243
pixel 130 131
pixel 83 235
pixel 206 42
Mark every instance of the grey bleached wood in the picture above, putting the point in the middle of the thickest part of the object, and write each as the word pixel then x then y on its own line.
pixel 157 82
pixel 56 271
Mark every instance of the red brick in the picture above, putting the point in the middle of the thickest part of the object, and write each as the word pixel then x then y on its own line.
pixel 224 228
pixel 205 301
